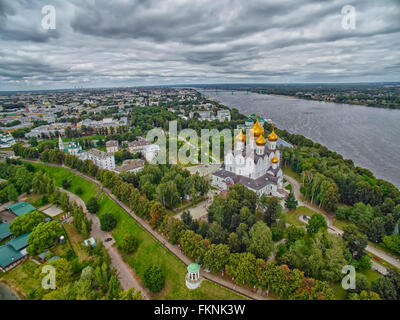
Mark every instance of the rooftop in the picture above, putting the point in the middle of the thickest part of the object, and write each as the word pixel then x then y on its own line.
pixel 8 255
pixel 193 268
pixel 20 242
pixel 5 231
pixel 21 208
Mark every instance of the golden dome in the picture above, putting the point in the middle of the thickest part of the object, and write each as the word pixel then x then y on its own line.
pixel 257 130
pixel 261 141
pixel 241 136
pixel 275 160
pixel 272 136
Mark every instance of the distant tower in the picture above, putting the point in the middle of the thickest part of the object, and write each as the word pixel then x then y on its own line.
pixel 60 143
pixel 255 132
pixel 260 142
pixel 240 141
pixel 275 162
pixel 272 138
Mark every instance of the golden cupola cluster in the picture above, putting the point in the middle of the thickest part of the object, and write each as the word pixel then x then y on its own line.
pixel 261 141
pixel 257 130
pixel 272 136
pixel 241 137
pixel 275 160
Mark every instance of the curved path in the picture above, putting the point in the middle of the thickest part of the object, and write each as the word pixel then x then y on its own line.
pixel 332 229
pixel 126 276
pixel 173 249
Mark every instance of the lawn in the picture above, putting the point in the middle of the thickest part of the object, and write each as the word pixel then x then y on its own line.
pixel 292 217
pixel 59 174
pixel 291 173
pixel 149 252
pixel 77 242
pixel 21 279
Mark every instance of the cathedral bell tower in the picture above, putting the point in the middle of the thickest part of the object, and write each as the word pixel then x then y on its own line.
pixel 240 141
pixel 255 132
pixel 272 138
pixel 260 148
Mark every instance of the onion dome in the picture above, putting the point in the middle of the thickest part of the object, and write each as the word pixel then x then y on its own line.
pixel 272 136
pixel 261 141
pixel 257 130
pixel 241 137
pixel 275 160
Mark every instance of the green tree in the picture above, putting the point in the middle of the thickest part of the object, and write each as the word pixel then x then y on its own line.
pixel 291 202
pixel 217 257
pixel 154 278
pixel 260 242
pixel 107 222
pixel 316 223
pixel 92 205
pixel 26 223
pixel 43 236
pixel 129 244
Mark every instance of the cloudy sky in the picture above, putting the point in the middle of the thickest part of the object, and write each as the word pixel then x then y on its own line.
pixel 104 43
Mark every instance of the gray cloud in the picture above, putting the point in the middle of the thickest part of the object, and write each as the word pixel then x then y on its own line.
pixel 115 43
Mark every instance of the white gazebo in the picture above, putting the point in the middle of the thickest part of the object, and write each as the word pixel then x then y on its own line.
pixel 193 278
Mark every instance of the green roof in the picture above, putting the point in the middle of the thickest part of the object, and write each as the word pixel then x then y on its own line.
pixel 249 120
pixel 5 231
pixel 193 268
pixel 19 243
pixel 21 208
pixel 8 255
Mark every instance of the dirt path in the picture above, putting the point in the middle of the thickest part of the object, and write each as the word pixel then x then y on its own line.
pixel 249 293
pixel 332 229
pixel 126 276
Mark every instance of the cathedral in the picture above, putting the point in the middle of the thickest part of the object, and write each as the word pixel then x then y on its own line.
pixel 254 162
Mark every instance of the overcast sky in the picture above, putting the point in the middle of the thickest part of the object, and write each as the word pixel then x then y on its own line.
pixel 104 43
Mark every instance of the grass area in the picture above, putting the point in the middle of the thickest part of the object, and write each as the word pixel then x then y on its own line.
pixel 59 174
pixel 291 173
pixel 371 275
pixel 21 279
pixel 289 187
pixel 34 199
pixel 149 252
pixel 77 242
pixel 292 216
pixel 340 223
pixel 339 292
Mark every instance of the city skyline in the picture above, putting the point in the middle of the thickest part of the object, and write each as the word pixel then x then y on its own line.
pixel 145 43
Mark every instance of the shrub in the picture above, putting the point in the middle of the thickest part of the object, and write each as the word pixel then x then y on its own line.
pixel 154 278
pixel 129 244
pixel 107 222
pixel 92 205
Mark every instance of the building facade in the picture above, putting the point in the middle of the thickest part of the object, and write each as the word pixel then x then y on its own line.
pixel 253 163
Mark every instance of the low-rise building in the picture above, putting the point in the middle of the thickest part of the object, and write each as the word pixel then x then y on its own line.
pixel 6 140
pixel 131 165
pixel 102 159
pixel 112 146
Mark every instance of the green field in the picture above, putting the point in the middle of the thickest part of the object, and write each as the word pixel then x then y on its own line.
pixel 150 251
pixel 289 172
pixel 292 216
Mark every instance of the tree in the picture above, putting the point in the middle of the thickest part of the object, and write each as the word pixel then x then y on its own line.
pixel 291 202
pixel 260 242
pixel 157 214
pixel 272 211
pixel 114 288
pixel 129 244
pixel 217 257
pixel 26 223
pixel 43 236
pixel 66 183
pixel 242 267
pixel 385 288
pixel 130 294
pixel 154 278
pixel 356 242
pixel 364 295
pixel 316 223
pixel 92 205
pixel 12 193
pixel 107 222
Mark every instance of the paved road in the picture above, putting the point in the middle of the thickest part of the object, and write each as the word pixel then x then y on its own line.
pixel 250 293
pixel 126 276
pixel 332 229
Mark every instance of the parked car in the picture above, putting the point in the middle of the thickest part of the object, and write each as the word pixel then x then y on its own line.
pixel 108 240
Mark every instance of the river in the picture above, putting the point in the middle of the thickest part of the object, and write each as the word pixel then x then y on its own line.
pixel 6 293
pixel 368 136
